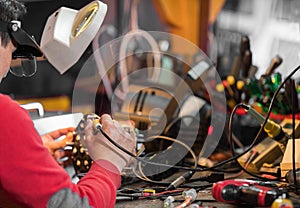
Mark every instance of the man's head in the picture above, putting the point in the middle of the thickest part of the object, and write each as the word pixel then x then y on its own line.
pixel 9 10
pixel 16 41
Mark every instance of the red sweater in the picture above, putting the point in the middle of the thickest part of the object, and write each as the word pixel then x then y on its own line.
pixel 30 177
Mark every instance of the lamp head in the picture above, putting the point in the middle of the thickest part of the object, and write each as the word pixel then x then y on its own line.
pixel 68 33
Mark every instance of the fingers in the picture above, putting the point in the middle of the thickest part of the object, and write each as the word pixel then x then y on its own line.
pixel 63 158
pixel 57 133
pixel 106 121
pixel 66 130
pixel 54 145
pixel 105 118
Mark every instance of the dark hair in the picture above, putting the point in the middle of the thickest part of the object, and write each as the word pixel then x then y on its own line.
pixel 10 10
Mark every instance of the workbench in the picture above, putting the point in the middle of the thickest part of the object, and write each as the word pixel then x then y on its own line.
pixel 203 195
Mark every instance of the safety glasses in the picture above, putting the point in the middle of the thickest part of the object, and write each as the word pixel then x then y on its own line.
pixel 24 67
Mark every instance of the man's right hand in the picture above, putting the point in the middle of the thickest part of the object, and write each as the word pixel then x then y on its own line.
pixel 99 148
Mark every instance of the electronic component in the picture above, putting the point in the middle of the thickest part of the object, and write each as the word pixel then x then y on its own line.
pixel 271 128
pixel 267 151
pixel 189 196
pixel 180 180
pixel 168 202
pixel 139 104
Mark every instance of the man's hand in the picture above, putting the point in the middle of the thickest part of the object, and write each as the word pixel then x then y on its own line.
pixel 54 145
pixel 100 148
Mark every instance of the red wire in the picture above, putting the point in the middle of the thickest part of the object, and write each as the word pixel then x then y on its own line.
pixel 186 202
pixel 162 193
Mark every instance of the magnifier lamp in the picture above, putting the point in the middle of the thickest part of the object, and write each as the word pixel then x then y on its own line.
pixel 68 33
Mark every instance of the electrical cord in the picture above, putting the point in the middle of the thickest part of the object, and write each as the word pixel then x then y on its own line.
pixel 171 185
pixel 151 138
pixel 99 127
pixel 183 178
pixel 166 165
pixel 173 122
pixel 186 176
pixel 139 194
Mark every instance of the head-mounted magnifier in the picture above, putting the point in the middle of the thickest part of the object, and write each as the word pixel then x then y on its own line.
pixel 26 49
pixel 26 66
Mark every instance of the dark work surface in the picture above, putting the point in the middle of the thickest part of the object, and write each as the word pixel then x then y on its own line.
pixel 203 195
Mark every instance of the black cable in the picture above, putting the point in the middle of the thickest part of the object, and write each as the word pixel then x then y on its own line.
pixel 166 165
pixel 138 194
pixel 195 186
pixel 182 178
pixel 161 164
pixel 139 158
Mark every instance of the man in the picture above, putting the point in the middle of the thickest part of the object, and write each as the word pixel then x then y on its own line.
pixel 29 175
